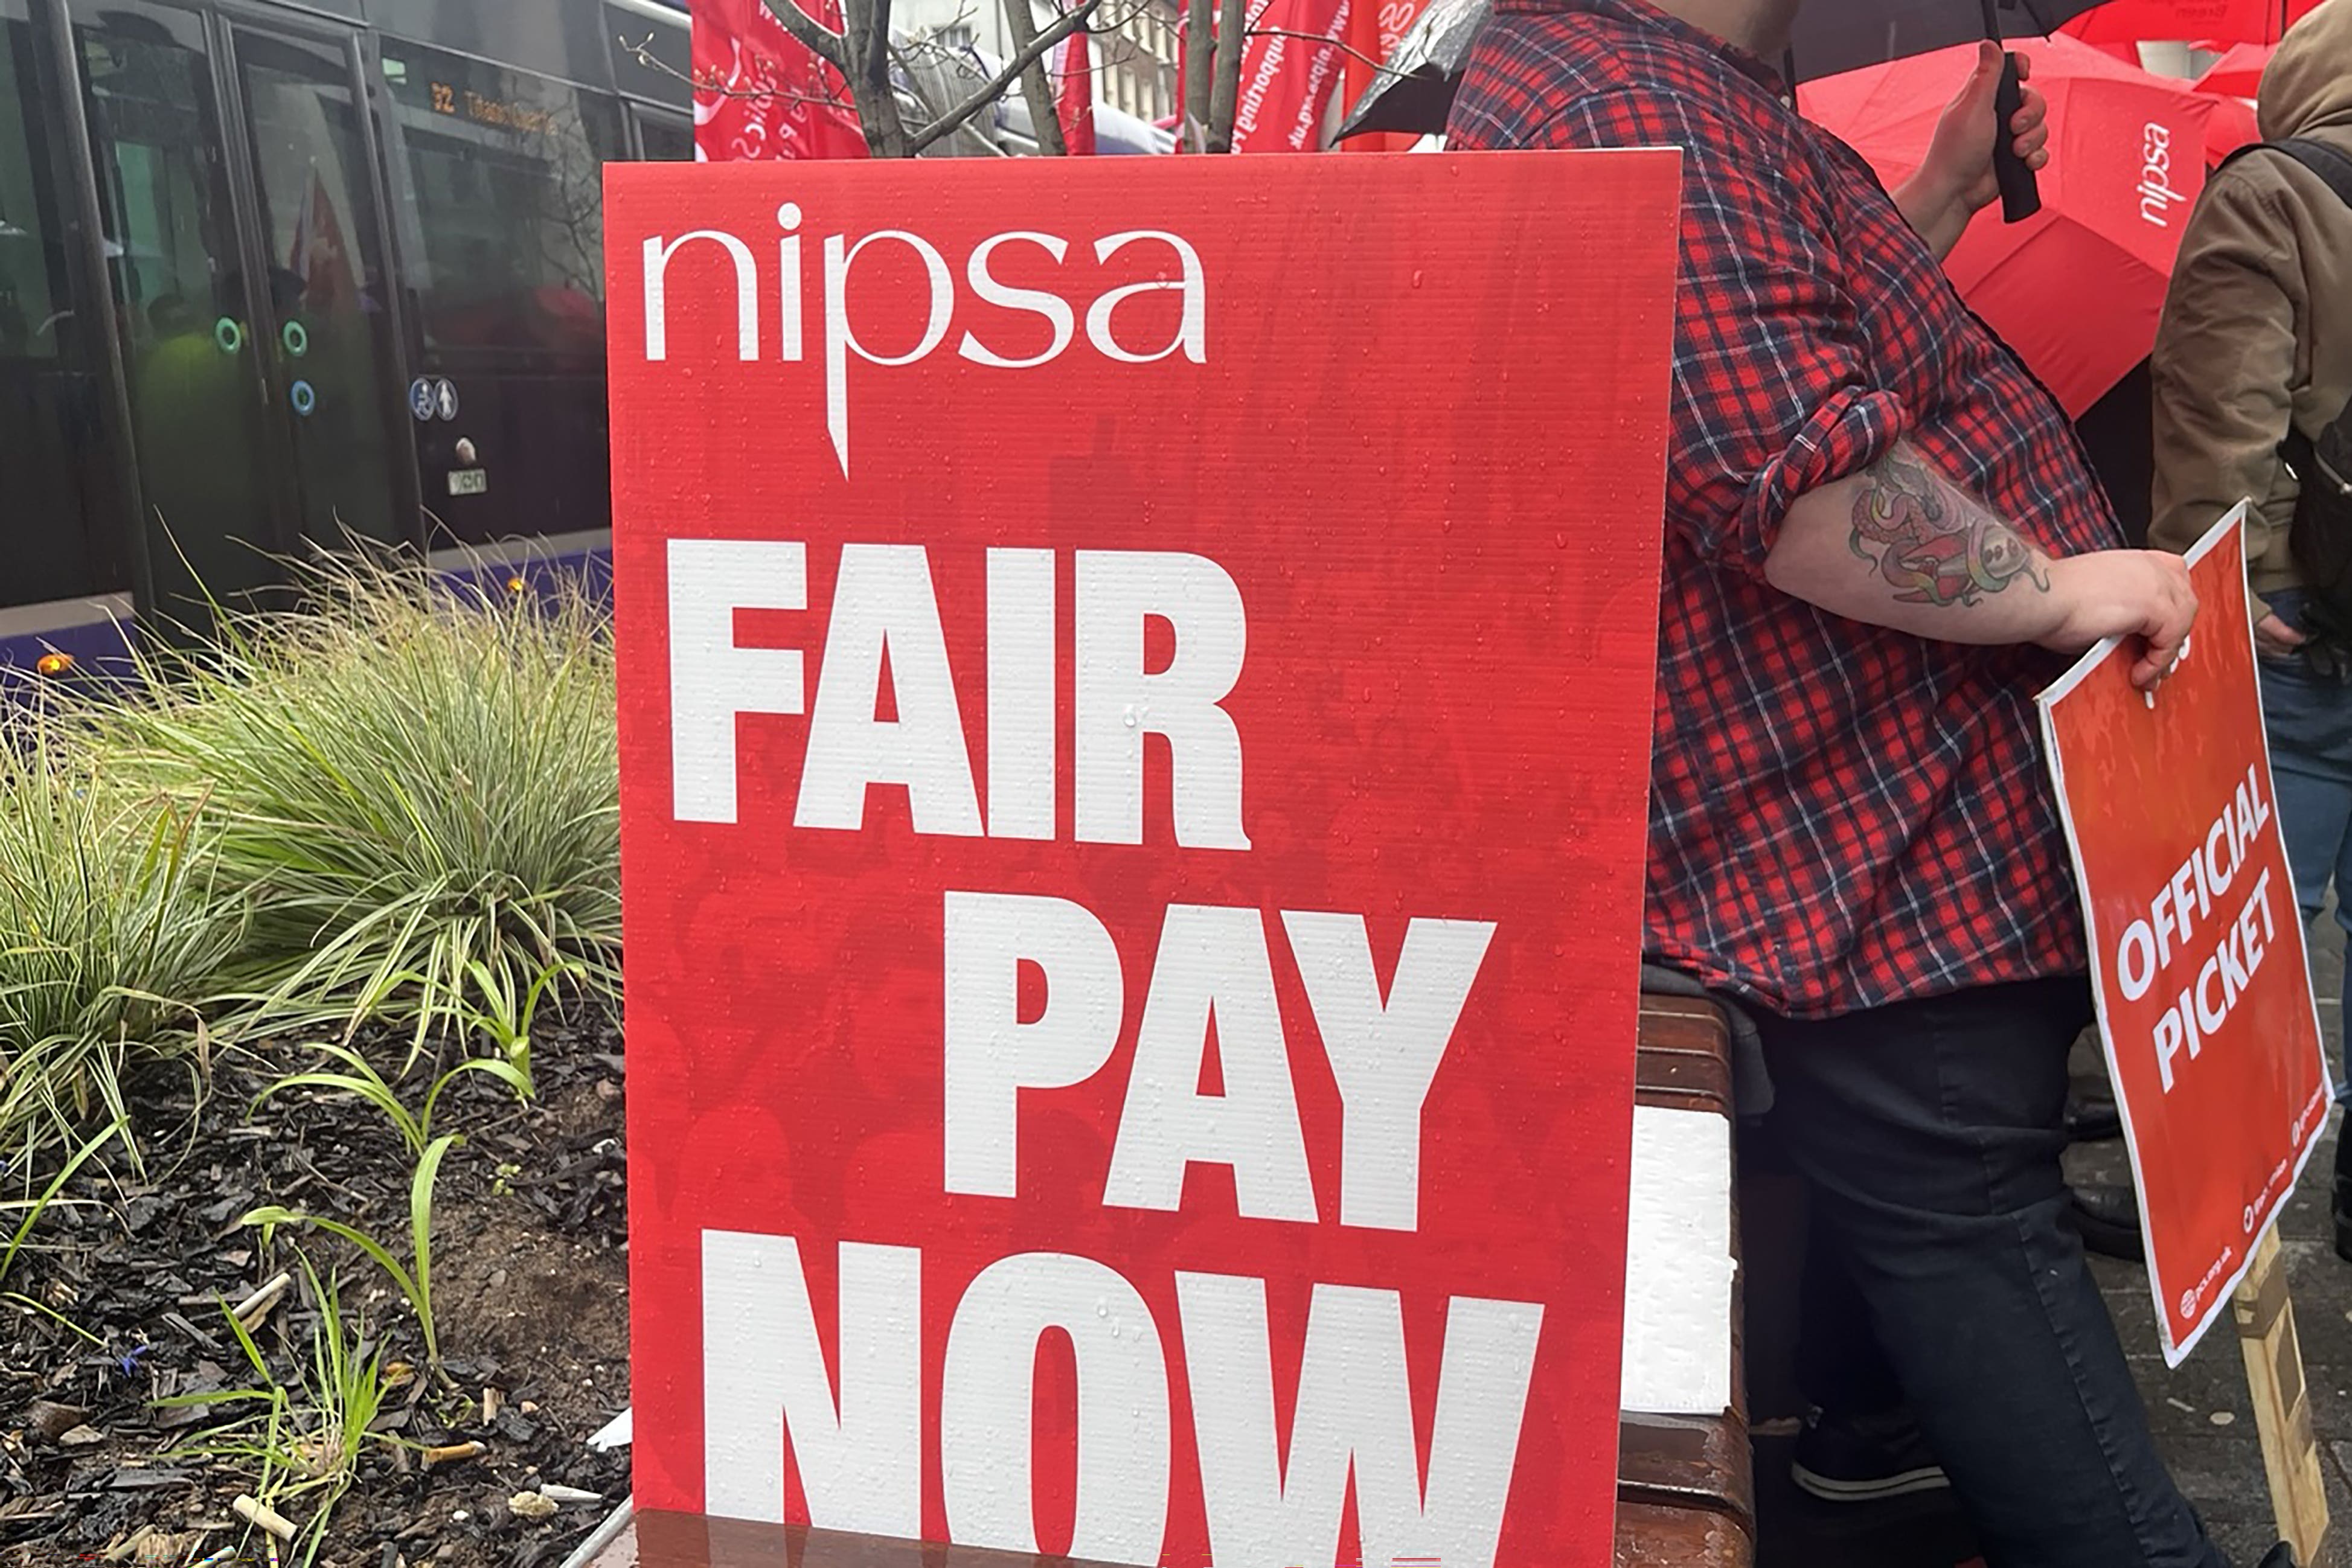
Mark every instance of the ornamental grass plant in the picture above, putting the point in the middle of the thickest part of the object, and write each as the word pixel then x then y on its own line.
pixel 415 780
pixel 116 928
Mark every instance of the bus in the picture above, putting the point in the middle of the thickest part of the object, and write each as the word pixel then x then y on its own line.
pixel 273 275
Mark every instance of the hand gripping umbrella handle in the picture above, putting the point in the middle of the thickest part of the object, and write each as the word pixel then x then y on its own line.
pixel 2020 191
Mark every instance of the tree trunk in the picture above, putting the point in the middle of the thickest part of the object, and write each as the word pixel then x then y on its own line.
pixel 1224 100
pixel 866 33
pixel 1045 115
pixel 1199 72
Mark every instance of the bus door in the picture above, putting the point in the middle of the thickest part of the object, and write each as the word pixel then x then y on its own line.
pixel 243 236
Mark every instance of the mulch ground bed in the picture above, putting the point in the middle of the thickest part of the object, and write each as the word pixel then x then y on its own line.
pixel 528 1287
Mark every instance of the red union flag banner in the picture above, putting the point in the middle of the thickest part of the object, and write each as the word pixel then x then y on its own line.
pixel 2197 954
pixel 758 93
pixel 1133 838
pixel 1288 76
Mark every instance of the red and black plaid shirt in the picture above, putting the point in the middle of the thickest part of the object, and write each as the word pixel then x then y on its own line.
pixel 1841 816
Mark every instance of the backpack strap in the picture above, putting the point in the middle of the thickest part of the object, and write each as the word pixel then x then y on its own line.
pixel 2326 162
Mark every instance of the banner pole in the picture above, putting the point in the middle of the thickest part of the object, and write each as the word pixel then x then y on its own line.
pixel 2265 1319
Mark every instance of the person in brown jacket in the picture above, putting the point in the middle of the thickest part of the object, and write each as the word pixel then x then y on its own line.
pixel 2257 335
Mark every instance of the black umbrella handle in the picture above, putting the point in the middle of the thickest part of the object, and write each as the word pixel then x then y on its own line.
pixel 2020 191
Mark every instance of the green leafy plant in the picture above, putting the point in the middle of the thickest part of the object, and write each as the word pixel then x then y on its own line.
pixel 31 1209
pixel 360 1077
pixel 415 1281
pixel 114 931
pixel 417 781
pixel 26 1303
pixel 305 1440
pixel 505 1017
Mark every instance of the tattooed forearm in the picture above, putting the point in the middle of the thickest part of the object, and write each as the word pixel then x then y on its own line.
pixel 1930 540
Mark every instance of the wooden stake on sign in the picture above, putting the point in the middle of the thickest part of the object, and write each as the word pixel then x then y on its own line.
pixel 2265 1318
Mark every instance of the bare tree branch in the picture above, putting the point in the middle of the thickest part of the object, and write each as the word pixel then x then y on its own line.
pixel 1045 123
pixel 1022 57
pixel 1380 68
pixel 814 35
pixel 710 84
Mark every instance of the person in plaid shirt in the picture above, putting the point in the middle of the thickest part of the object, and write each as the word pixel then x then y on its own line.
pixel 1882 538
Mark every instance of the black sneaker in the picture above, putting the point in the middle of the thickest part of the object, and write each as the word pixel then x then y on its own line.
pixel 2093 1119
pixel 1863 1458
pixel 2279 1556
pixel 2107 1215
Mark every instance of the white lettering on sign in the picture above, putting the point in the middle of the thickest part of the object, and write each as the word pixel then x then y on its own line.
pixel 657 253
pixel 987 1394
pixel 1174 264
pixel 1384 1054
pixel 2156 193
pixel 885 610
pixel 1021 698
pixel 1053 308
pixel 858 1452
pixel 1353 1414
pixel 1119 704
pixel 883 603
pixel 1212 995
pixel 841 334
pixel 1213 969
pixel 710 679
pixel 990 1055
pixel 2205 1003
pixel 2179 911
pixel 1191 315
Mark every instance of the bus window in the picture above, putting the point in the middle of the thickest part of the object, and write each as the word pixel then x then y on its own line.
pixel 500 175
pixel 330 335
pixel 505 205
pixel 665 138
pixel 185 300
pixel 57 527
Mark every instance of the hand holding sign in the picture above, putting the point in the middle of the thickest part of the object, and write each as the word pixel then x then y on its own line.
pixel 2143 595
pixel 2197 949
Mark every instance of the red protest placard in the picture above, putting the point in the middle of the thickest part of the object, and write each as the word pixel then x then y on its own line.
pixel 1136 694
pixel 2197 953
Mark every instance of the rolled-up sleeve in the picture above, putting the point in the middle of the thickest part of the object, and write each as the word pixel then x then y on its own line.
pixel 1773 390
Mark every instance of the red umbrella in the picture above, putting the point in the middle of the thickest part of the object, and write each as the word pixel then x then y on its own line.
pixel 2178 21
pixel 2077 290
pixel 2239 71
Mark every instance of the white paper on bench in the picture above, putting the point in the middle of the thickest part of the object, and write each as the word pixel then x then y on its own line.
pixel 1678 1265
